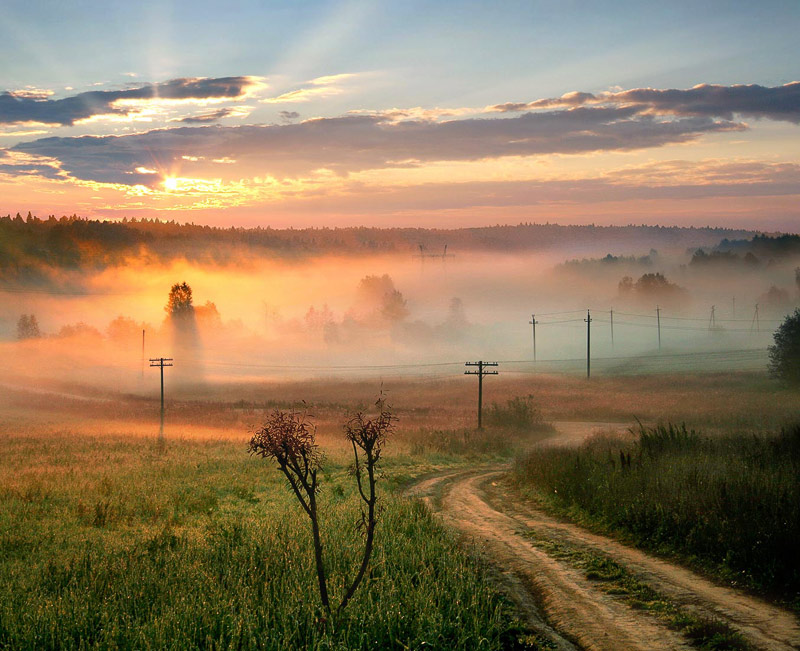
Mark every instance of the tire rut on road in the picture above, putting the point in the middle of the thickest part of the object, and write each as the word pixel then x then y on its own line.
pixel 568 600
pixel 761 623
pixel 551 592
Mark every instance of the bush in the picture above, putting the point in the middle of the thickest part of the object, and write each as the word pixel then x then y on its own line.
pixel 784 355
pixel 519 412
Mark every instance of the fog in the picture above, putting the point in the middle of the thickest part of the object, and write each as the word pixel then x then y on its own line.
pixel 381 316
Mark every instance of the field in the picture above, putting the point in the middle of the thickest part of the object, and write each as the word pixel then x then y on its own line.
pixel 726 503
pixel 109 540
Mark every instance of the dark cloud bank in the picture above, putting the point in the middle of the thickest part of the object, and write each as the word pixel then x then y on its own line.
pixel 355 143
pixel 774 103
pixel 69 110
pixel 576 123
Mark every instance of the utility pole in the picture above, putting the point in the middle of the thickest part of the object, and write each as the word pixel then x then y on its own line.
pixel 712 322
pixel 734 306
pixel 588 320
pixel 658 321
pixel 143 353
pixel 755 323
pixel 612 329
pixel 533 323
pixel 161 362
pixel 480 373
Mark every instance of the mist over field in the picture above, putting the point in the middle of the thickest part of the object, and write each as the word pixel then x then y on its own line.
pixel 256 315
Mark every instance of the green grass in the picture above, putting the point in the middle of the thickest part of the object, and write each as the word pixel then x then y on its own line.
pixel 730 504
pixel 108 541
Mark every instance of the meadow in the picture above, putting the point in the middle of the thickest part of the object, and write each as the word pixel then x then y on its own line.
pixel 727 503
pixel 109 540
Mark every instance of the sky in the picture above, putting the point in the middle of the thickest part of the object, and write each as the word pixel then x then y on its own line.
pixel 433 114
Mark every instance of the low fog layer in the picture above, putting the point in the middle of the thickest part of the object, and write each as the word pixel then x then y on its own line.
pixel 396 314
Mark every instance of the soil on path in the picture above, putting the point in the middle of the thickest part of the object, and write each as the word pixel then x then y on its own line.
pixel 557 599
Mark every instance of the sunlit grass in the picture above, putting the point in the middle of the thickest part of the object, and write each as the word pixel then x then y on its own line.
pixel 109 540
pixel 729 503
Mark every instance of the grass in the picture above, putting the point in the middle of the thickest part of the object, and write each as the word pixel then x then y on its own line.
pixel 108 541
pixel 614 579
pixel 728 503
pixel 519 412
pixel 715 402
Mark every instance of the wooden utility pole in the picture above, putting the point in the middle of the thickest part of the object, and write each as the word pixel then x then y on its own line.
pixel 161 362
pixel 480 373
pixel 533 323
pixel 712 322
pixel 612 329
pixel 588 320
pixel 143 353
pixel 755 323
pixel 658 321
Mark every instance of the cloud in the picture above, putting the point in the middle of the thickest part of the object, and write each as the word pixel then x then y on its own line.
pixel 289 115
pixel 360 142
pixel 31 92
pixel 704 100
pixel 304 95
pixel 775 103
pixel 695 181
pixel 22 134
pixel 16 108
pixel 567 100
pixel 21 164
pixel 318 88
pixel 214 116
pixel 417 113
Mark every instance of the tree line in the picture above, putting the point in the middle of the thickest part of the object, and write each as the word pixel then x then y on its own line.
pixel 30 246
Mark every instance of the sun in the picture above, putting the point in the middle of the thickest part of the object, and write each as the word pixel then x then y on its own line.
pixel 171 183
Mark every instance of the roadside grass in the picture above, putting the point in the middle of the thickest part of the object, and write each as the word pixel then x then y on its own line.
pixel 110 541
pixel 730 504
pixel 613 579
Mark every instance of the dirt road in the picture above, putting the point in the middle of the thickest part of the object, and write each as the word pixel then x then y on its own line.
pixel 557 598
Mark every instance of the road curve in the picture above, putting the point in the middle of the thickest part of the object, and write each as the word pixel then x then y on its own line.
pixel 550 590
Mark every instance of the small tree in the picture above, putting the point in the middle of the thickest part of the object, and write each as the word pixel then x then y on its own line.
pixel 28 327
pixel 784 354
pixel 179 303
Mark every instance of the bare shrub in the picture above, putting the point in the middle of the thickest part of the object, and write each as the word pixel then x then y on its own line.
pixel 289 440
pixel 367 437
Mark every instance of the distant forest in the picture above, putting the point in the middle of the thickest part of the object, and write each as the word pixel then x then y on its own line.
pixel 31 249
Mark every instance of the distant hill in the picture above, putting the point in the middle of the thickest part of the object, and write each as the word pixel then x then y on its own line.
pixel 32 249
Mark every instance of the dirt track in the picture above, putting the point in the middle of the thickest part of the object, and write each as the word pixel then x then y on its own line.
pixel 580 612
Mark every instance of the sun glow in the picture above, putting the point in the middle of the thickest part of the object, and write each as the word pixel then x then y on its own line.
pixel 171 183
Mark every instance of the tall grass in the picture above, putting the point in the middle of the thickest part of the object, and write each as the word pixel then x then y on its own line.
pixel 731 503
pixel 519 412
pixel 106 542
